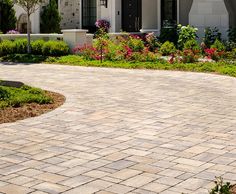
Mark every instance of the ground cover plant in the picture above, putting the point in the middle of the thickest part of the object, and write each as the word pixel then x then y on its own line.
pixel 222 187
pixel 16 97
pixel 19 101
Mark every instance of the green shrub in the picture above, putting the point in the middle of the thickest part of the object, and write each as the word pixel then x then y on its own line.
pixel 167 48
pixel 20 46
pixel 221 187
pixel 229 45
pixel 192 44
pixel 186 33
pixel 16 97
pixel 232 34
pixel 211 35
pixel 231 55
pixel 169 34
pixel 8 16
pixel 218 45
pixel 55 48
pixel 37 47
pixel 115 52
pixel 3 94
pixel 50 18
pixel 136 43
pixel 6 47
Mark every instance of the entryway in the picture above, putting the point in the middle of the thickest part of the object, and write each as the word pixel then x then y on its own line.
pixel 89 14
pixel 131 15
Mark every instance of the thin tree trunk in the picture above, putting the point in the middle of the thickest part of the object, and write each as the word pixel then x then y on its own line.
pixel 28 33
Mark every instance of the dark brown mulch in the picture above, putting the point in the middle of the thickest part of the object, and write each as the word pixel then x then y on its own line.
pixel 233 190
pixel 11 114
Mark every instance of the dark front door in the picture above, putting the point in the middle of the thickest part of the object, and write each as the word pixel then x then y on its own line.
pixel 89 14
pixel 131 15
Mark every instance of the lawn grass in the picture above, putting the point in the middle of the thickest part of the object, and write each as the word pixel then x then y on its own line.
pixel 17 97
pixel 222 67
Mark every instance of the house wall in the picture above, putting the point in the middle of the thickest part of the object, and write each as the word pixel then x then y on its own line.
pixel 231 7
pixel 184 9
pixel 209 13
pixel 113 13
pixel 149 14
pixel 34 18
pixel 70 12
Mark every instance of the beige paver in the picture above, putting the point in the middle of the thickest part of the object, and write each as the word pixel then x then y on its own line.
pixel 10 189
pixel 121 131
pixel 51 188
pixel 138 181
pixel 156 187
pixel 125 174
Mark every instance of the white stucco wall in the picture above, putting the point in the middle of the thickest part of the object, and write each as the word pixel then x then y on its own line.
pixel 113 14
pixel 149 14
pixel 209 13
pixel 34 18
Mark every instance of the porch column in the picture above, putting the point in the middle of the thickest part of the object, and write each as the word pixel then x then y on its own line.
pixel 209 13
pixel 150 16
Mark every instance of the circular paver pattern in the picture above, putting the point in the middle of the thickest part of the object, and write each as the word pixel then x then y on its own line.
pixel 121 131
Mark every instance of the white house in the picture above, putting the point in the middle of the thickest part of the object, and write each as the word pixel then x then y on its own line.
pixel 144 15
pixel 22 20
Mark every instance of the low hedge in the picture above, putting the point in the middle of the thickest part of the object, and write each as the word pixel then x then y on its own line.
pixel 6 47
pixel 55 48
pixel 39 47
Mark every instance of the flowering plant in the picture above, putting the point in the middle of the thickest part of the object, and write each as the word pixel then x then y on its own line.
pixel 88 52
pixel 152 42
pixel 190 55
pixel 103 24
pixel 136 43
pixel 186 33
pixel 213 53
pixel 13 32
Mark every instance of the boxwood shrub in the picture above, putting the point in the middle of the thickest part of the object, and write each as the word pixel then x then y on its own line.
pixel 37 47
pixel 20 46
pixel 55 48
pixel 6 47
pixel 168 48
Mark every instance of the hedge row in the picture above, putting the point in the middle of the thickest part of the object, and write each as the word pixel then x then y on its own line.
pixel 39 47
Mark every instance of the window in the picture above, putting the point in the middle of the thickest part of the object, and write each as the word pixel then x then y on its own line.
pixel 89 14
pixel 168 13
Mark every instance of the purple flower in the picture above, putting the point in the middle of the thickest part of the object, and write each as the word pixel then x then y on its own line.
pixel 104 24
pixel 13 32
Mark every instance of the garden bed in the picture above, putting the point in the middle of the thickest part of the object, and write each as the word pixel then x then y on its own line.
pixel 18 101
pixel 223 67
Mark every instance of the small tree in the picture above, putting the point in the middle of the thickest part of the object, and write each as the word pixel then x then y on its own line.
pixel 30 6
pixel 50 18
pixel 7 16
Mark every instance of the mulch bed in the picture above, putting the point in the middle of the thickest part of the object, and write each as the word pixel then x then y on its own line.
pixel 11 114
pixel 233 190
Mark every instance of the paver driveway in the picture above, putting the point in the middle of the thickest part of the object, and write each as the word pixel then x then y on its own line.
pixel 121 131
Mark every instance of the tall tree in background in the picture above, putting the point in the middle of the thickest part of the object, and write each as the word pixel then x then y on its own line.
pixel 50 18
pixel 7 16
pixel 30 6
